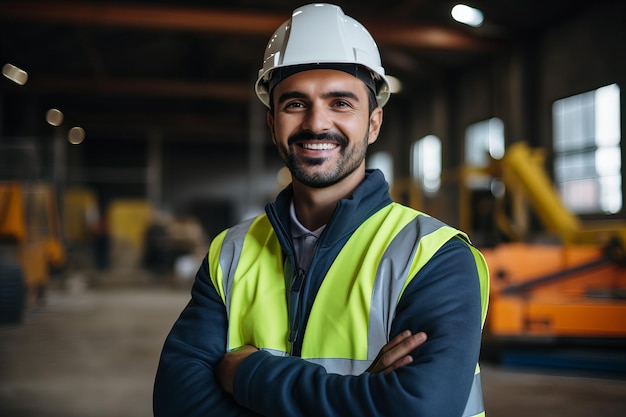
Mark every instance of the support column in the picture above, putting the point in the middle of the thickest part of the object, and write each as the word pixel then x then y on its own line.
pixel 154 170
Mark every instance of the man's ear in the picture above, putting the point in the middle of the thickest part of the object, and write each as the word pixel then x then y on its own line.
pixel 270 123
pixel 376 121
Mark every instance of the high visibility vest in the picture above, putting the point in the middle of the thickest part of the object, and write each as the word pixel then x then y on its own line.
pixel 351 317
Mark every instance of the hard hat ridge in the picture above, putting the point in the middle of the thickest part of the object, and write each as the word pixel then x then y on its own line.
pixel 321 36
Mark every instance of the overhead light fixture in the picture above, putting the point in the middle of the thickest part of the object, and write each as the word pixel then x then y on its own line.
pixel 15 74
pixel 467 15
pixel 76 135
pixel 54 117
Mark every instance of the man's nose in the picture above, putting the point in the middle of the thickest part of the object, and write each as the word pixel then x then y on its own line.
pixel 317 119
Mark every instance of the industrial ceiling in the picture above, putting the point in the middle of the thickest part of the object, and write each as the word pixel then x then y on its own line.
pixel 187 67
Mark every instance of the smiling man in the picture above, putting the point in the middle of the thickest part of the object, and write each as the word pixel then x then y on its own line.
pixel 322 305
pixel 322 125
pixel 334 104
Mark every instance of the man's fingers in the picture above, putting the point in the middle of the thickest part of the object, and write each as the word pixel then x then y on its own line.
pixel 396 352
pixel 403 348
pixel 376 365
pixel 396 341
pixel 405 360
pixel 406 345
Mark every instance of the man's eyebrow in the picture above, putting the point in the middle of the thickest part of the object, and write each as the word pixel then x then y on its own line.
pixel 342 94
pixel 291 94
pixel 332 94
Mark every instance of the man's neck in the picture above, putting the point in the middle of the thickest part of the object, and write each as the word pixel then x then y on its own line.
pixel 315 206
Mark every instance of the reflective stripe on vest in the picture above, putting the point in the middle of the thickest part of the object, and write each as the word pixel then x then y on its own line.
pixel 356 302
pixel 475 406
pixel 258 278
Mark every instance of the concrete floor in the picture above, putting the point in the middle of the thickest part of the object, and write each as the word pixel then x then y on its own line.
pixel 93 352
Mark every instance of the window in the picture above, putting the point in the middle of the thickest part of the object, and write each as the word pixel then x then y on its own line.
pixel 384 162
pixel 587 162
pixel 483 140
pixel 426 163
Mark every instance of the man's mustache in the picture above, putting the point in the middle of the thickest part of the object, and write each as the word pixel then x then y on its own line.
pixel 329 136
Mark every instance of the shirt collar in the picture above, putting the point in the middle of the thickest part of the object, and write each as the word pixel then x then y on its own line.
pixel 297 229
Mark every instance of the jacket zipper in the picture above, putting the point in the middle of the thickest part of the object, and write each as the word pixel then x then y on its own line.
pixel 295 307
pixel 297 284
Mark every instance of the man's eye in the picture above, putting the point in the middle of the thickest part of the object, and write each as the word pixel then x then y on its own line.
pixel 342 103
pixel 294 105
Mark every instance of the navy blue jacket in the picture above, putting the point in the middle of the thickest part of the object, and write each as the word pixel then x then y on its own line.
pixel 443 300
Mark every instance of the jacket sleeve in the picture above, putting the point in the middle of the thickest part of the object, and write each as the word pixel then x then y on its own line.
pixel 185 383
pixel 443 300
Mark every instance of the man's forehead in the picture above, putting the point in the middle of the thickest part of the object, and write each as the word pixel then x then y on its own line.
pixel 322 80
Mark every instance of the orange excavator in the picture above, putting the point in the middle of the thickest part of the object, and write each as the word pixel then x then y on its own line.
pixel 573 285
pixel 30 245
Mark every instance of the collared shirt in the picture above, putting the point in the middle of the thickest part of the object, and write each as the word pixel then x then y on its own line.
pixel 304 240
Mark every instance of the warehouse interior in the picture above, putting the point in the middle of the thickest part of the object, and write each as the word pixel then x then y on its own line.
pixel 130 135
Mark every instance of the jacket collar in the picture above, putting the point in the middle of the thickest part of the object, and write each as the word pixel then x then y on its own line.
pixel 369 197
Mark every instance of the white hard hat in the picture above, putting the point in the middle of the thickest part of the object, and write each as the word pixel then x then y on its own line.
pixel 321 36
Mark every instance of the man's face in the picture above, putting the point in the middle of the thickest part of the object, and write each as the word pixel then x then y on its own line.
pixel 321 125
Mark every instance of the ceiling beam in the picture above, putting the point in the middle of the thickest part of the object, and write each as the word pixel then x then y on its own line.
pixel 219 21
pixel 140 16
pixel 140 87
pixel 185 125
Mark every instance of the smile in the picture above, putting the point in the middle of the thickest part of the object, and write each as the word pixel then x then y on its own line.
pixel 319 146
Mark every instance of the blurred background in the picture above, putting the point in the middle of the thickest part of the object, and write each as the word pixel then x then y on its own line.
pixel 130 135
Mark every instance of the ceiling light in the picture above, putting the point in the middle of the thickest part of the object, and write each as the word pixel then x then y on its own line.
pixel 15 74
pixel 467 15
pixel 76 135
pixel 54 117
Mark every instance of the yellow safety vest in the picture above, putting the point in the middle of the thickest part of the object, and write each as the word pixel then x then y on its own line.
pixel 351 316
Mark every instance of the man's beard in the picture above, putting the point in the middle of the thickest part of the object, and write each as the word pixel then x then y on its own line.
pixel 350 159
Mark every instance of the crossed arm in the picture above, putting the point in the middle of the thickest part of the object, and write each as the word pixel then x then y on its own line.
pixel 393 355
pixel 195 375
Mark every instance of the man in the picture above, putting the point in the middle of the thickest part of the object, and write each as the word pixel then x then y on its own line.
pixel 321 306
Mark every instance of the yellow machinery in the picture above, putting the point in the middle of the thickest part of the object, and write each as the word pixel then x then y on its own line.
pixel 572 286
pixel 30 245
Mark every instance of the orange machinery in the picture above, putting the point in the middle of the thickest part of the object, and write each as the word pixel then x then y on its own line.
pixel 573 286
pixel 30 245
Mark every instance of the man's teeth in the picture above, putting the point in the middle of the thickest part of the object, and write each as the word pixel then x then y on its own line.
pixel 319 146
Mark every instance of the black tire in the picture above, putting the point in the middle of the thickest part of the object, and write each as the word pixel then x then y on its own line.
pixel 12 294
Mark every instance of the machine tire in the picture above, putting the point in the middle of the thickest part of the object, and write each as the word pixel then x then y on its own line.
pixel 12 294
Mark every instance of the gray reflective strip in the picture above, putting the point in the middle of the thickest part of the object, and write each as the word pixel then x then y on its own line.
pixel 274 352
pixel 475 405
pixel 342 366
pixel 395 264
pixel 428 225
pixel 230 253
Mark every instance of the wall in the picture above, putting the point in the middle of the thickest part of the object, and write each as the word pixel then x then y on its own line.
pixel 581 54
pixel 587 53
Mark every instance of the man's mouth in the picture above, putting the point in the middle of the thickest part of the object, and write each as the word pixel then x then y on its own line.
pixel 326 141
pixel 318 146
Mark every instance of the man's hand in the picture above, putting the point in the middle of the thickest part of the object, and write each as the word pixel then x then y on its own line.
pixel 396 353
pixel 393 355
pixel 226 368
